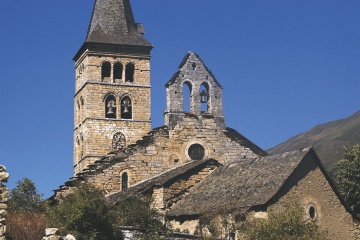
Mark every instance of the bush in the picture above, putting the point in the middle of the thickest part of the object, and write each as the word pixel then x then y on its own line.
pixel 85 214
pixel 135 211
pixel 285 225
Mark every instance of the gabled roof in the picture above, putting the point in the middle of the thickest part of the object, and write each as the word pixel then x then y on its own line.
pixel 160 180
pixel 241 184
pixel 112 22
pixel 191 56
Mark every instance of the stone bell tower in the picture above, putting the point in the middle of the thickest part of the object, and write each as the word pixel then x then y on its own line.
pixel 112 88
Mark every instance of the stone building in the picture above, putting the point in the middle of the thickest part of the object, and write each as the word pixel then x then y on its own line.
pixel 194 164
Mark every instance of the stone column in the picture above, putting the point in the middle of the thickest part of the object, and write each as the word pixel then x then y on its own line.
pixel 4 195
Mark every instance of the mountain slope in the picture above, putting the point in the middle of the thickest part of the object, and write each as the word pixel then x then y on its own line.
pixel 328 139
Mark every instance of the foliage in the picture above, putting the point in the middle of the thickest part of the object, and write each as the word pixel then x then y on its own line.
pixel 25 197
pixel 26 219
pixel 136 211
pixel 347 178
pixel 85 214
pixel 25 225
pixel 286 225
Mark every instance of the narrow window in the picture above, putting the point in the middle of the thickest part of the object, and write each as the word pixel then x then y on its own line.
pixel 193 66
pixel 204 97
pixel 126 108
pixel 187 97
pixel 105 71
pixel 110 107
pixel 118 69
pixel 129 72
pixel 124 181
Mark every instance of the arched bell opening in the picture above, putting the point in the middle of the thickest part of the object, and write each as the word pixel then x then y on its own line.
pixel 105 71
pixel 187 88
pixel 110 107
pixel 204 97
pixel 129 72
pixel 126 108
pixel 118 70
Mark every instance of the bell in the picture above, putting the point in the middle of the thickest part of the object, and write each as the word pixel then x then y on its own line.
pixel 126 104
pixel 111 105
pixel 126 110
pixel 110 111
pixel 203 96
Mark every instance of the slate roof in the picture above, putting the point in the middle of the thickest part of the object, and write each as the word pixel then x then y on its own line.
pixel 112 22
pixel 241 184
pixel 160 180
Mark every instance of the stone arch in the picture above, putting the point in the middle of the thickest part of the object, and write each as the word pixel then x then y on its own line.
pixel 126 107
pixel 187 88
pixel 129 72
pixel 117 71
pixel 110 106
pixel 125 177
pixel 204 93
pixel 118 141
pixel 105 71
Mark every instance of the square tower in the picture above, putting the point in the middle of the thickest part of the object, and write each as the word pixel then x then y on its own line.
pixel 112 89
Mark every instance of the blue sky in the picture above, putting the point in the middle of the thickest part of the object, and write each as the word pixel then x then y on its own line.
pixel 285 65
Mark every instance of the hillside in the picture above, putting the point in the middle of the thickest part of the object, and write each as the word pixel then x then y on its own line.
pixel 328 139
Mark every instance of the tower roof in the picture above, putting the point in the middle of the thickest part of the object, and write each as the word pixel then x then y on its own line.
pixel 112 22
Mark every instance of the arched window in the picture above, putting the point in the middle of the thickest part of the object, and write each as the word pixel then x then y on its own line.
pixel 118 69
pixel 129 72
pixel 124 181
pixel 105 70
pixel 110 107
pixel 126 108
pixel 119 141
pixel 187 97
pixel 204 97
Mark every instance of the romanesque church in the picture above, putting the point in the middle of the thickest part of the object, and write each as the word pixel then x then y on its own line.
pixel 194 164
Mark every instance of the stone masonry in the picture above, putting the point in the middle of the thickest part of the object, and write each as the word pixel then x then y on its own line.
pixel 4 194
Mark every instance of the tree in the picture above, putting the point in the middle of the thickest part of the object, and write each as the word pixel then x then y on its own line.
pixel 138 211
pixel 26 218
pixel 25 197
pixel 347 178
pixel 286 225
pixel 85 214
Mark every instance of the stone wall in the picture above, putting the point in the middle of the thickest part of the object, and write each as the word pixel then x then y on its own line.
pixel 167 149
pixel 4 194
pixel 309 187
pixel 94 130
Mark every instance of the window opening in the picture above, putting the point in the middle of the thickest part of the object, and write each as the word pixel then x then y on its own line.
pixel 118 69
pixel 110 107
pixel 129 72
pixel 126 108
pixel 193 66
pixel 312 212
pixel 204 97
pixel 105 70
pixel 196 152
pixel 124 181
pixel 186 97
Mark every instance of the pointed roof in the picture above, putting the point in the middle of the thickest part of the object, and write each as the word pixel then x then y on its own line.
pixel 112 22
pixel 188 59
